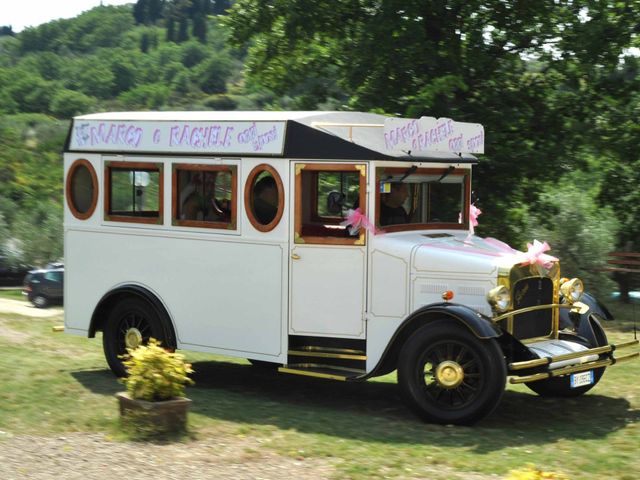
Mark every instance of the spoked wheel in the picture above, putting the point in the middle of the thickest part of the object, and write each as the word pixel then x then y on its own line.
pixel 449 376
pixel 130 324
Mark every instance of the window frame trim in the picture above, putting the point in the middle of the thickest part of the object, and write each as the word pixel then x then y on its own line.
pixel 68 189
pixel 424 226
pixel 200 167
pixel 133 166
pixel 298 238
pixel 248 197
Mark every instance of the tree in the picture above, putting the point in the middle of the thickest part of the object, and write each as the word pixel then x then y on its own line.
pixel 522 69
pixel 68 103
pixel 212 75
pixel 579 231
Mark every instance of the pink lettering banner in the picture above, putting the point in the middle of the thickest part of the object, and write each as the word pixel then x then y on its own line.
pixel 181 137
pixel 429 134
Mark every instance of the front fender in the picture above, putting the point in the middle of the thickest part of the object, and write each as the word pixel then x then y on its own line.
pixel 587 325
pixel 480 325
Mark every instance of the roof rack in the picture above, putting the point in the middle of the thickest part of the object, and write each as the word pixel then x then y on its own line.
pixel 350 126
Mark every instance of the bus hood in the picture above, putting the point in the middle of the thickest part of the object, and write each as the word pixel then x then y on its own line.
pixel 449 252
pixel 461 253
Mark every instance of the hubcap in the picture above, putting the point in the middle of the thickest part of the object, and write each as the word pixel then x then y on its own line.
pixel 449 374
pixel 132 338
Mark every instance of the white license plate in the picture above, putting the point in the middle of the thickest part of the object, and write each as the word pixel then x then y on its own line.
pixel 581 379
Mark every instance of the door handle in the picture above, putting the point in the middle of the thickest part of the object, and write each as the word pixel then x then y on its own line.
pixel 295 256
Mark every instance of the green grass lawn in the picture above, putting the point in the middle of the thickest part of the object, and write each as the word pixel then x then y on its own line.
pixel 52 383
pixel 14 294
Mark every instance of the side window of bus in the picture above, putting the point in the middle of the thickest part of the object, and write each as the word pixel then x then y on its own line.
pixel 324 196
pixel 133 192
pixel 204 196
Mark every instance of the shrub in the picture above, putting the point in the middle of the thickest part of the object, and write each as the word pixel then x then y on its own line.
pixel 156 374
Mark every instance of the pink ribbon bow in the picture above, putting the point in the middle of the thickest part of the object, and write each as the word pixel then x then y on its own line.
pixel 535 254
pixel 474 213
pixel 357 220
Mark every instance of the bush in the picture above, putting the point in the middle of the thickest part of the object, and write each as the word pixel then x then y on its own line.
pixel 580 233
pixel 155 374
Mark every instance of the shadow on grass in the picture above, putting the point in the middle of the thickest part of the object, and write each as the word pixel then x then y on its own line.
pixel 102 382
pixel 373 411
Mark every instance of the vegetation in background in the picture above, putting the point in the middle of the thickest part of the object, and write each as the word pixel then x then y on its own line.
pixel 554 83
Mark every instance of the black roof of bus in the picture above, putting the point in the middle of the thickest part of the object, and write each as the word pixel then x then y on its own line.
pixel 314 135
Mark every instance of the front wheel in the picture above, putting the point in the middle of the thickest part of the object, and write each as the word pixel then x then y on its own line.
pixel 131 323
pixel 449 376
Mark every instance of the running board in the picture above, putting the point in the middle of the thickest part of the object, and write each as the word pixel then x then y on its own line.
pixel 330 372
pixel 327 352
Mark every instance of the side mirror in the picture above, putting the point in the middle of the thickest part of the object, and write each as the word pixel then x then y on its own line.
pixel 335 202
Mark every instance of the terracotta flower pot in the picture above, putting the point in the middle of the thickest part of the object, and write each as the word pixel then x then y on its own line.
pixel 152 418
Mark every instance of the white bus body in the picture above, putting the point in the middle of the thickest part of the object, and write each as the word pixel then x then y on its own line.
pixel 163 216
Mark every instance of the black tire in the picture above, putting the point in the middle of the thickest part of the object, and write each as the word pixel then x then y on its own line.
pixel 560 387
pixel 129 313
pixel 40 301
pixel 479 367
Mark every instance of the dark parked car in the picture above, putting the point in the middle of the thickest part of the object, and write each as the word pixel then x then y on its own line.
pixel 44 287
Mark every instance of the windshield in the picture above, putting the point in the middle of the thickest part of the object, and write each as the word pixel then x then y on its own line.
pixel 409 199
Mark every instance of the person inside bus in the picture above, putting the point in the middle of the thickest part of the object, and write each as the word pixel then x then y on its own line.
pixel 198 200
pixel 265 200
pixel 392 211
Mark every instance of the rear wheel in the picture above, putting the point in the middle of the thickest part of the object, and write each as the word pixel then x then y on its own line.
pixel 131 323
pixel 448 376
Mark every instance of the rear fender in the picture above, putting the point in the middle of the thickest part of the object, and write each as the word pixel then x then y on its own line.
pixel 108 301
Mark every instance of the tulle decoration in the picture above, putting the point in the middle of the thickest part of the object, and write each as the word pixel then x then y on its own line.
pixel 474 212
pixel 357 220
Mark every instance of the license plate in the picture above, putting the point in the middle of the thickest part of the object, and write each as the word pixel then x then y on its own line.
pixel 581 379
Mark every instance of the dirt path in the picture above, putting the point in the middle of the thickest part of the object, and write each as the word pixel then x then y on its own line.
pixel 8 305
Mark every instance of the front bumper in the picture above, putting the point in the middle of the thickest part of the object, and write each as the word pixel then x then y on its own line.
pixel 565 364
pixel 529 370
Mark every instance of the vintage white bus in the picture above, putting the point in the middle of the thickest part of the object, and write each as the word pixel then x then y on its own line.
pixel 330 244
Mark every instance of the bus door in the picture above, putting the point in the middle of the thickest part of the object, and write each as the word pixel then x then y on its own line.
pixel 328 262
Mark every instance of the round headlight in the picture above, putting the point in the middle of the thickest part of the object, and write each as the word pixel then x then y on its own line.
pixel 499 298
pixel 572 289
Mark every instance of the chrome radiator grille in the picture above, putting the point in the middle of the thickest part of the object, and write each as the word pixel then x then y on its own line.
pixel 529 292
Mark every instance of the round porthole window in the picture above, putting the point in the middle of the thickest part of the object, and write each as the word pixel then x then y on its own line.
pixel 82 189
pixel 264 198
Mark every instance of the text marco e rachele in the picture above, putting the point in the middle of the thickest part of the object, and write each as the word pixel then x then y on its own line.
pixel 183 135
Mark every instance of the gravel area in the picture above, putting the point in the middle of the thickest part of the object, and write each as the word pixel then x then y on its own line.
pixel 92 456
